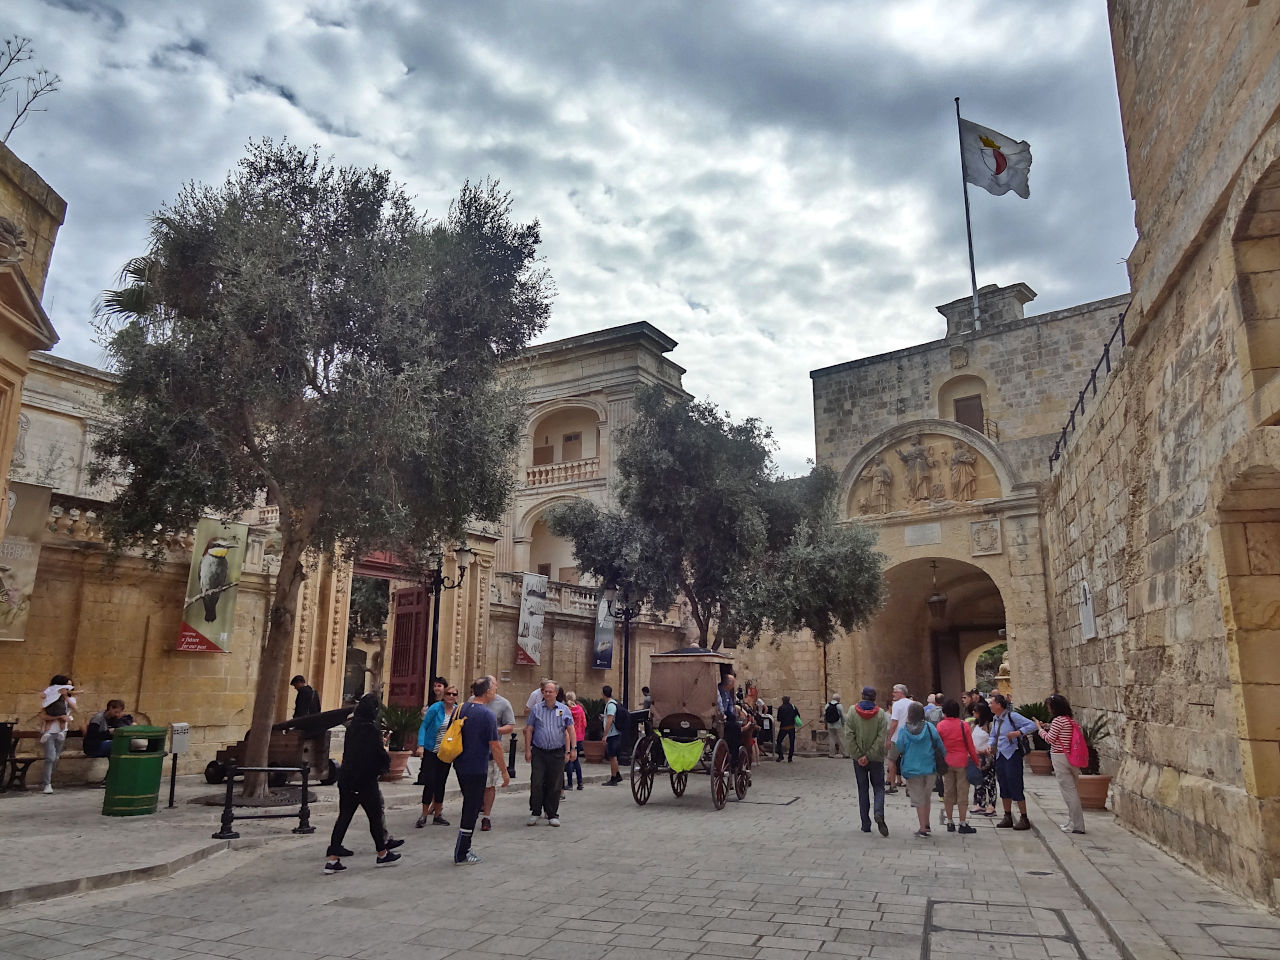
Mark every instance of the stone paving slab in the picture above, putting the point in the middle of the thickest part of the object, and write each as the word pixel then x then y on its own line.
pixel 64 845
pixel 790 878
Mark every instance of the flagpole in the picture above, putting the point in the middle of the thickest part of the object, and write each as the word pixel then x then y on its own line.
pixel 968 228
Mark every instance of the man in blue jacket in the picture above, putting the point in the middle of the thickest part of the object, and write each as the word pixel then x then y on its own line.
pixel 1008 728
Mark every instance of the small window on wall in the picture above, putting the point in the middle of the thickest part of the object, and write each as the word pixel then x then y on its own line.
pixel 969 411
pixel 543 455
pixel 544 569
pixel 571 446
pixel 568 575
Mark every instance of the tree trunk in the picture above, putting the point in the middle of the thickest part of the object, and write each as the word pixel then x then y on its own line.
pixel 271 665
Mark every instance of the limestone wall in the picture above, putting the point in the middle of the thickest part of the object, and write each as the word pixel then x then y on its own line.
pixel 1164 504
pixel 35 207
pixel 1032 369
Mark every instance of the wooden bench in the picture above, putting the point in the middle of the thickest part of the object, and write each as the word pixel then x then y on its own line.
pixel 14 768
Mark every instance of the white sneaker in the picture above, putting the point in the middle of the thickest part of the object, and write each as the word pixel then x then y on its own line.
pixel 1066 827
pixel 554 822
pixel 532 821
pixel 48 788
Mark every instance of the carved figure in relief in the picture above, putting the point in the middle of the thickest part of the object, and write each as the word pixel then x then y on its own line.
pixel 964 472
pixel 919 463
pixel 880 494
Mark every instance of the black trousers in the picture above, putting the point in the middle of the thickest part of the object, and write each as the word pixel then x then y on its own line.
pixel 733 737
pixel 472 800
pixel 436 776
pixel 368 797
pixel 546 778
pixel 783 736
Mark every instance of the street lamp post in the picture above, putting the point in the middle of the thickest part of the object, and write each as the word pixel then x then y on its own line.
pixel 626 613
pixel 438 584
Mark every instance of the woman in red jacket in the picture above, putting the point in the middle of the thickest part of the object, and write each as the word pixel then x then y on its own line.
pixel 958 741
pixel 579 731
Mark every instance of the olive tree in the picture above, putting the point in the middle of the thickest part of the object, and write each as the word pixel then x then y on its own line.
pixel 302 329
pixel 702 514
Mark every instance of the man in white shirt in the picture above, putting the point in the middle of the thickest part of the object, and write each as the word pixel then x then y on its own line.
pixel 897 719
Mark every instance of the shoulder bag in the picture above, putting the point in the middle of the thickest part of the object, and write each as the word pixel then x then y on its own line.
pixel 451 743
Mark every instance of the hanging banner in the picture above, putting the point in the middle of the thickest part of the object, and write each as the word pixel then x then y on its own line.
pixel 533 601
pixel 24 531
pixel 209 612
pixel 603 658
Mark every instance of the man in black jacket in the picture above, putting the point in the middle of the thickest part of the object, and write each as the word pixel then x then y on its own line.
pixel 788 717
pixel 307 701
pixel 364 759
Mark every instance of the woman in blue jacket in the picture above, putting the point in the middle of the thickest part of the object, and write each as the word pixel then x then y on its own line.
pixel 435 770
pixel 917 745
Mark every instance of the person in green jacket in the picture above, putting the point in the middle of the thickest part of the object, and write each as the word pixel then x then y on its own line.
pixel 866 729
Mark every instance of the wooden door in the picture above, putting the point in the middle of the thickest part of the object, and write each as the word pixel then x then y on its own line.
pixel 969 411
pixel 407 685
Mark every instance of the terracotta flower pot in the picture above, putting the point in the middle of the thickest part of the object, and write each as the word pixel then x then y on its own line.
pixel 1039 762
pixel 593 751
pixel 1093 790
pixel 399 760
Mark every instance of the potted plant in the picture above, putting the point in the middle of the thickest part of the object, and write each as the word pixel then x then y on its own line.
pixel 402 724
pixel 593 746
pixel 1091 784
pixel 1038 759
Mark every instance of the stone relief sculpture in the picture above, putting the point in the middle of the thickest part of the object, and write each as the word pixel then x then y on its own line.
pixel 919 463
pixel 879 496
pixel 20 447
pixel 964 472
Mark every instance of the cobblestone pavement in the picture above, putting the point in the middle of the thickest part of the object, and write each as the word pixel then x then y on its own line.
pixel 785 875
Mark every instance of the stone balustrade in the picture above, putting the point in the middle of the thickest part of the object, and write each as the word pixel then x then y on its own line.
pixel 570 471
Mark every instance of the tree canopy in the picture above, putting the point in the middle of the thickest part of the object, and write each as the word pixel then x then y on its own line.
pixel 302 329
pixel 703 514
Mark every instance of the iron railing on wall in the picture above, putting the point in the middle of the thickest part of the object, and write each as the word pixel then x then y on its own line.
pixel 1104 366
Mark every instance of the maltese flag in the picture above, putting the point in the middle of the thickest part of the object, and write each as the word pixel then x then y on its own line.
pixel 993 161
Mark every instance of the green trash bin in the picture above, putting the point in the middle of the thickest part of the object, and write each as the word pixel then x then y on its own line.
pixel 137 766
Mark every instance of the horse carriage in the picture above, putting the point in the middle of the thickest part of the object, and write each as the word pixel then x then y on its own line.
pixel 687 732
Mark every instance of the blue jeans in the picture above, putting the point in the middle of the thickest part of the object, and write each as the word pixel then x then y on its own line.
pixel 871 776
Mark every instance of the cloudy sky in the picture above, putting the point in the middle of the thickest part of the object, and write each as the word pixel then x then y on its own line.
pixel 774 183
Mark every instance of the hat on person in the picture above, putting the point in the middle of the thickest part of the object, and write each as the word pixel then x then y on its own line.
pixel 869 693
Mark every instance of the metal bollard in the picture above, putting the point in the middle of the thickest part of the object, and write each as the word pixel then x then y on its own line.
pixel 304 812
pixel 226 833
pixel 511 758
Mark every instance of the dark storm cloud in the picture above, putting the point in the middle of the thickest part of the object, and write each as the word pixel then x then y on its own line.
pixel 774 183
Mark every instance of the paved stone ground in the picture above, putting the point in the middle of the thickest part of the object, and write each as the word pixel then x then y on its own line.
pixel 785 875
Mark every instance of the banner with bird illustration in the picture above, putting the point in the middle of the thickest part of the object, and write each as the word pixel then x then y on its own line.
pixel 216 559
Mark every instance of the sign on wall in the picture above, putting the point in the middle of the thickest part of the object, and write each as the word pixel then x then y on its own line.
pixel 209 611
pixel 1088 623
pixel 602 658
pixel 533 602
pixel 20 555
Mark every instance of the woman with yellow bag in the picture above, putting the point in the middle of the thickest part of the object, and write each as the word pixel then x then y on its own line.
pixel 439 716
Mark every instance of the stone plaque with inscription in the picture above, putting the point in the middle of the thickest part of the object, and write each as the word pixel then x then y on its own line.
pixel 922 534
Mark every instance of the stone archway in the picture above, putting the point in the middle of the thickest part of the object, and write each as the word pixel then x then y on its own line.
pixel 905 643
pixel 1247 550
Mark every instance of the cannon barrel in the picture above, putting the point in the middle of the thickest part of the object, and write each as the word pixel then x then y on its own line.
pixel 316 723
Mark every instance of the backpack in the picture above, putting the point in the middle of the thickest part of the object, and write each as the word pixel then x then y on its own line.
pixel 622 718
pixel 832 714
pixel 1078 749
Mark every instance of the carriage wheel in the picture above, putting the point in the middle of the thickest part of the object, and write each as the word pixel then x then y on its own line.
pixel 678 782
pixel 720 774
pixel 742 776
pixel 642 767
